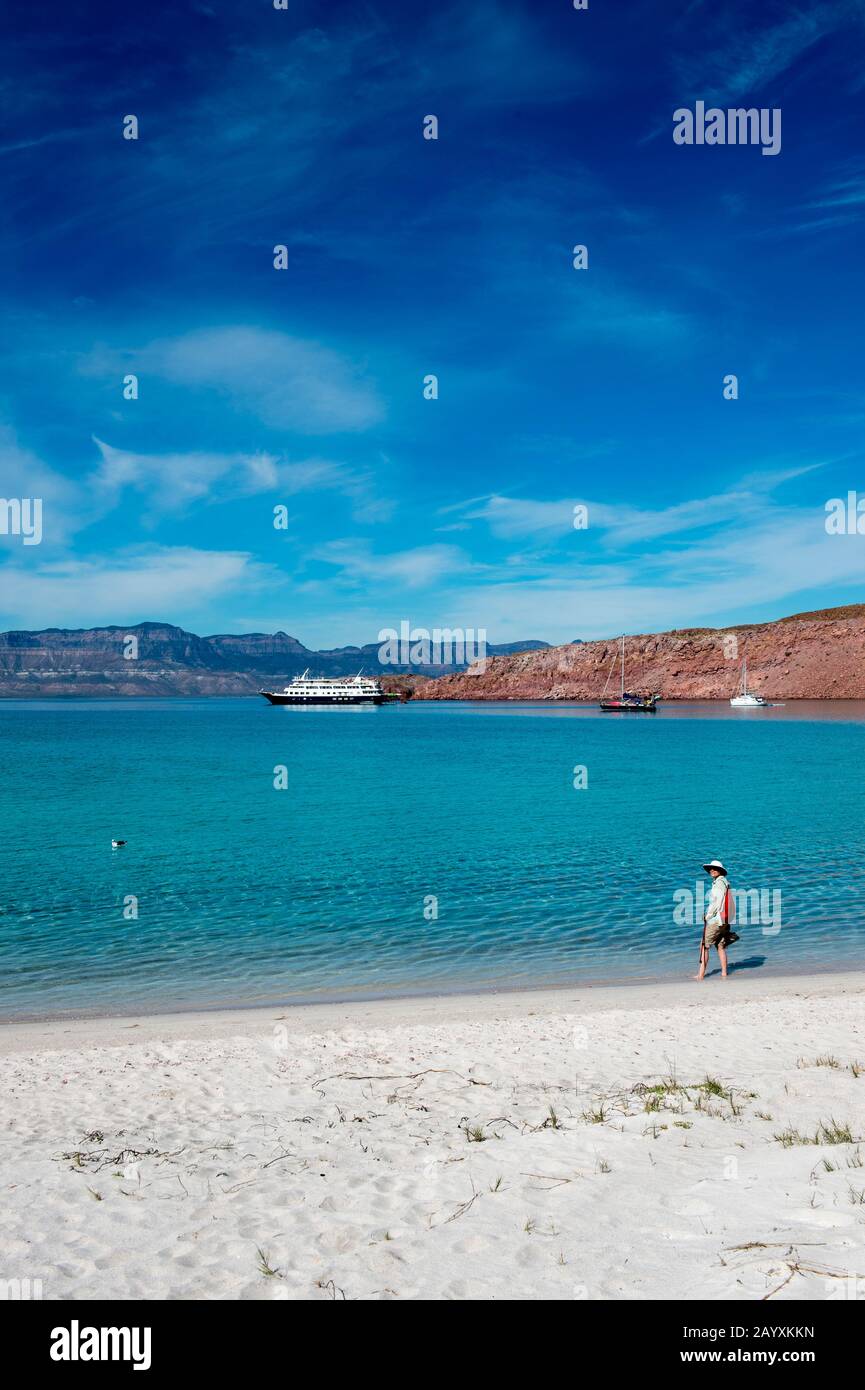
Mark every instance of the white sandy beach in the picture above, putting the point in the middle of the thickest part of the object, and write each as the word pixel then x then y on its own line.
pixel 487 1147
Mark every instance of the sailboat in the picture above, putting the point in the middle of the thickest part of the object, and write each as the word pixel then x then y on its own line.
pixel 644 704
pixel 745 700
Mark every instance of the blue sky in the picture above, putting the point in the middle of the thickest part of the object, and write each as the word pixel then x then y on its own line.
pixel 406 257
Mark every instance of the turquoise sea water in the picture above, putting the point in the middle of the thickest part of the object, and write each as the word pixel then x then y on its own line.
pixel 246 893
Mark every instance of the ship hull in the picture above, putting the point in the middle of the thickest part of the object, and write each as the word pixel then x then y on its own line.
pixel 323 701
pixel 617 707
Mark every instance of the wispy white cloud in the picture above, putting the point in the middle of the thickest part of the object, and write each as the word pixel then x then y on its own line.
pixel 769 555
pixel 839 203
pixel 287 383
pixel 516 517
pixel 134 585
pixel 621 524
pixel 172 482
pixel 357 563
pixel 723 56
pixel 65 507
pixel 845 191
pixel 615 313
pixel 723 60
pixel 726 552
pixel 712 589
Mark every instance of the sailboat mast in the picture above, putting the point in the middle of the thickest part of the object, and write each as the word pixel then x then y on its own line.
pixel 745 676
pixel 623 664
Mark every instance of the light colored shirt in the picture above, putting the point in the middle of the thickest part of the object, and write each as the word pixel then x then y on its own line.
pixel 715 907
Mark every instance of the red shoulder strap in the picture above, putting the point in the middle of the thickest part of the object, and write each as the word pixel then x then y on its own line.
pixel 728 903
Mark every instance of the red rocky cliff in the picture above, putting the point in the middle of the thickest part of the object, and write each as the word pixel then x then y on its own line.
pixel 815 656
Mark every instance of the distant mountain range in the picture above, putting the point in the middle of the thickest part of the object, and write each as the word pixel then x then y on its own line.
pixel 817 655
pixel 159 659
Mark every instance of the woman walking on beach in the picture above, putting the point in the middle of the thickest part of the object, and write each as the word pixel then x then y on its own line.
pixel 716 919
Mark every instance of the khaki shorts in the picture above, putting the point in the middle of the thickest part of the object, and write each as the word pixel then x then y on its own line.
pixel 716 935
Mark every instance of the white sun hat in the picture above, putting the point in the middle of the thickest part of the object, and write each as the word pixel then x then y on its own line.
pixel 714 864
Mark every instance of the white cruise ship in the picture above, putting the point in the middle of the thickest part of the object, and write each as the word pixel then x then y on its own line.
pixel 326 690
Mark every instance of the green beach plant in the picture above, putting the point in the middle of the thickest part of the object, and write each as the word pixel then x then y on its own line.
pixel 264 1265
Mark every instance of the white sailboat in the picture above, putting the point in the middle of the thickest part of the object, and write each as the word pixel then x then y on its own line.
pixel 745 700
pixel 645 703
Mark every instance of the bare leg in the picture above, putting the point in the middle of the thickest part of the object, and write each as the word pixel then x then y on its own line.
pixel 704 960
pixel 722 955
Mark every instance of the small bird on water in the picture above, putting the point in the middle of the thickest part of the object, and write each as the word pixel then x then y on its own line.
pixel 115 844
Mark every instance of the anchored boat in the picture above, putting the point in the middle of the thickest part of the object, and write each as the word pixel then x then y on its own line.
pixel 745 700
pixel 627 701
pixel 322 690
